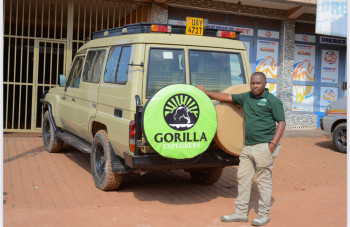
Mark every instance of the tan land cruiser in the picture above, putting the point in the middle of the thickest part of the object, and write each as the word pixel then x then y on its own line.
pixel 131 101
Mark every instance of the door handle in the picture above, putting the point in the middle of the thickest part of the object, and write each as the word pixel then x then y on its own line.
pixel 73 99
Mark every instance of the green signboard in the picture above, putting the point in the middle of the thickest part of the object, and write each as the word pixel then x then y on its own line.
pixel 179 121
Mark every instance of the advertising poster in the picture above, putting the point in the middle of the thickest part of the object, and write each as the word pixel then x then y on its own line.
pixel 304 62
pixel 330 66
pixel 272 88
pixel 267 58
pixel 303 98
pixel 327 95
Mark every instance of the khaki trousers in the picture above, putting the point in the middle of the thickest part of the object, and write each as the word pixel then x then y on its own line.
pixel 256 158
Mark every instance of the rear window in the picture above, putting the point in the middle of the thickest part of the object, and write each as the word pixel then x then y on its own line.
pixel 216 71
pixel 165 67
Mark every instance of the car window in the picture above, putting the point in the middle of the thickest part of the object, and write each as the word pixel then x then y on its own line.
pixel 117 65
pixel 75 73
pixel 216 71
pixel 93 65
pixel 165 67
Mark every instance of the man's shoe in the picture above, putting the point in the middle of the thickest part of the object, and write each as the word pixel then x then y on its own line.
pixel 261 220
pixel 234 218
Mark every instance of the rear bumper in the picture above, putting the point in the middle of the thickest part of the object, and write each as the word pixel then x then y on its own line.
pixel 158 162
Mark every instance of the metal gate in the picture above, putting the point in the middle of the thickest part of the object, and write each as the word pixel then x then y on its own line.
pixel 40 40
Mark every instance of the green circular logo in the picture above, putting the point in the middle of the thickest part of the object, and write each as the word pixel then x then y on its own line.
pixel 179 121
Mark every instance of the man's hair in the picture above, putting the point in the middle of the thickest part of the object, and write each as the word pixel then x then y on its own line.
pixel 259 73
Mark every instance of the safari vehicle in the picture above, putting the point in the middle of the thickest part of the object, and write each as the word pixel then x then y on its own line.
pixel 104 107
pixel 334 124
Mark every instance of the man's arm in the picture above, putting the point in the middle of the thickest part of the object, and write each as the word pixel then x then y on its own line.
pixel 222 97
pixel 278 134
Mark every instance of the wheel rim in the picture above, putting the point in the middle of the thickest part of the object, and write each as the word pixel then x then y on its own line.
pixel 47 135
pixel 100 161
pixel 341 138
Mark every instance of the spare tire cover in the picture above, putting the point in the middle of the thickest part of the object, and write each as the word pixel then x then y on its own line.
pixel 230 133
pixel 179 121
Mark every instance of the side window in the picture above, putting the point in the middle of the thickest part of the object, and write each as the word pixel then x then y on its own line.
pixel 93 66
pixel 117 65
pixel 75 73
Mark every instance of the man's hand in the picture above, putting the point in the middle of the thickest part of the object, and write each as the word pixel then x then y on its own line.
pixel 222 97
pixel 272 147
pixel 202 88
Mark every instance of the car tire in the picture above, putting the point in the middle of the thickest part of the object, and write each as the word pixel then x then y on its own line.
pixel 51 143
pixel 339 137
pixel 101 166
pixel 206 176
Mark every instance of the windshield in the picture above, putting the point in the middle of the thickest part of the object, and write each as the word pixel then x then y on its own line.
pixel 216 71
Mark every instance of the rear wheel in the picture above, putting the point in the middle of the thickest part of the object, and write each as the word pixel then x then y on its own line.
pixel 51 144
pixel 206 176
pixel 101 166
pixel 339 137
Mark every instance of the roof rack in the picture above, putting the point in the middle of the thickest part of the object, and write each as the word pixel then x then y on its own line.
pixel 146 28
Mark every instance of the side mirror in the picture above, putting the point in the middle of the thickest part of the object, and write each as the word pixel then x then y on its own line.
pixel 63 80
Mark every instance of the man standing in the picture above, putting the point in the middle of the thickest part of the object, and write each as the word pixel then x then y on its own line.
pixel 261 112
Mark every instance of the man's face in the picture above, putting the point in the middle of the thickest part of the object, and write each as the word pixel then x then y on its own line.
pixel 257 85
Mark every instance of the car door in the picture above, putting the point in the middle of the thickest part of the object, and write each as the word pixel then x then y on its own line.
pixel 67 105
pixel 86 95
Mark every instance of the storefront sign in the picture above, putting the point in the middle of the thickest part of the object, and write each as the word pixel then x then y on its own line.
pixel 304 62
pixel 330 66
pixel 332 41
pixel 303 98
pixel 305 38
pixel 327 95
pixel 244 31
pixel 267 58
pixel 268 34
pixel 331 17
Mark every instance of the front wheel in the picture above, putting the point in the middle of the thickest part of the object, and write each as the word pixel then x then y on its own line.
pixel 101 166
pixel 206 176
pixel 339 137
pixel 51 144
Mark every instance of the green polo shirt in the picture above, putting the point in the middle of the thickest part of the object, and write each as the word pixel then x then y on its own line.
pixel 260 115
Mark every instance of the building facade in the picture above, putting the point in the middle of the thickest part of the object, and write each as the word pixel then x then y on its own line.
pixel 305 70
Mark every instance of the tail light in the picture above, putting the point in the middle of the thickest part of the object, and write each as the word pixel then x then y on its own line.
pixel 160 28
pixel 226 34
pixel 132 133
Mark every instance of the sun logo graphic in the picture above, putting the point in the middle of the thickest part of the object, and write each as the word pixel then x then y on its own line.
pixel 330 57
pixel 181 112
pixel 329 95
pixel 304 71
pixel 267 66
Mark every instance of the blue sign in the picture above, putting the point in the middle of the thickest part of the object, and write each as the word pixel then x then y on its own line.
pixel 331 17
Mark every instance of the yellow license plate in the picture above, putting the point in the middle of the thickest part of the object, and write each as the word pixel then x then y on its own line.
pixel 194 26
